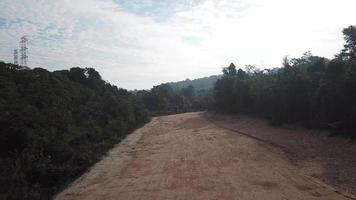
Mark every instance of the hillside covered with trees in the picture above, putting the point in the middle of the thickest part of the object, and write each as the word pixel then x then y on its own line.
pixel 180 96
pixel 54 125
pixel 311 90
pixel 163 99
pixel 205 83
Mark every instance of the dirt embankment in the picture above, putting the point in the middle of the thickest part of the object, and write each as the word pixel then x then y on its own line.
pixel 186 156
pixel 330 159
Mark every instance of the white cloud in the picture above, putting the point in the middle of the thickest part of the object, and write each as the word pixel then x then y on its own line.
pixel 135 51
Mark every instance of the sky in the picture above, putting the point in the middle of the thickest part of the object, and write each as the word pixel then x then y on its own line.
pixel 136 44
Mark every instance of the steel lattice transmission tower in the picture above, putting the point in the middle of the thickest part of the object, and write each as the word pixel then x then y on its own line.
pixel 23 51
pixel 16 57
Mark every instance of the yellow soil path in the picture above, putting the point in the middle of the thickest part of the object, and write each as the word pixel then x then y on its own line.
pixel 185 156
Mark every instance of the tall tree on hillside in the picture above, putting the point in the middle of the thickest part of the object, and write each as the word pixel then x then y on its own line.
pixel 231 91
pixel 230 70
pixel 349 50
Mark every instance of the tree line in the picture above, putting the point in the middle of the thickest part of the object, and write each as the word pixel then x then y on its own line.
pixel 311 90
pixel 163 99
pixel 205 83
pixel 54 125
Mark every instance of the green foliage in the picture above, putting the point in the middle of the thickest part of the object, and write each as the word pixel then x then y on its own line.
pixel 231 91
pixel 54 125
pixel 163 99
pixel 206 83
pixel 177 97
pixel 349 50
pixel 311 90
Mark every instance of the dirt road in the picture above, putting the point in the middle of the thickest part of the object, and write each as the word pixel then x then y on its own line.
pixel 186 156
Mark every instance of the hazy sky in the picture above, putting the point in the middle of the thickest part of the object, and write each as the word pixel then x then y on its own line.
pixel 141 43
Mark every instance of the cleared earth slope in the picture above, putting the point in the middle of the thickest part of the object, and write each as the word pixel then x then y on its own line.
pixel 316 152
pixel 186 156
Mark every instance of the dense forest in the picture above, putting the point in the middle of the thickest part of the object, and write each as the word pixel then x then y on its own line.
pixel 163 99
pixel 178 97
pixel 54 125
pixel 205 83
pixel 311 90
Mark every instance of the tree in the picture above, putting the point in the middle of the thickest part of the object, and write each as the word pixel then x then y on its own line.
pixel 349 50
pixel 230 70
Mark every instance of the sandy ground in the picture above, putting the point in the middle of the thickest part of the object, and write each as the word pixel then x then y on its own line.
pixel 330 159
pixel 186 156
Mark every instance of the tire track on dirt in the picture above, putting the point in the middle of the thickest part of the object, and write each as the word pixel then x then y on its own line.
pixel 285 150
pixel 185 156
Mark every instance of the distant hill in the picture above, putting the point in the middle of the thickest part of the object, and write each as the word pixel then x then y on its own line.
pixel 204 83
